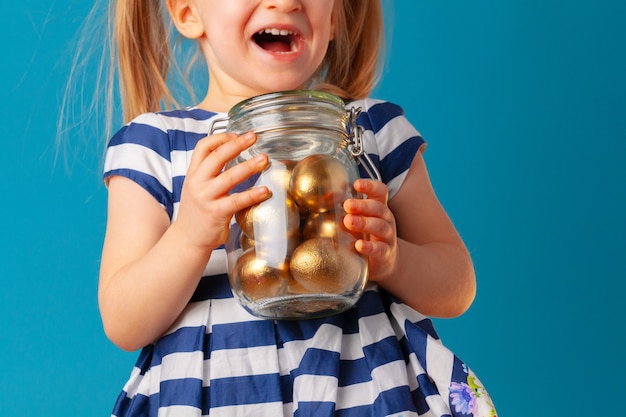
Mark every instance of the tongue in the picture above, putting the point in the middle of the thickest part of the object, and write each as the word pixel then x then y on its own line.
pixel 275 46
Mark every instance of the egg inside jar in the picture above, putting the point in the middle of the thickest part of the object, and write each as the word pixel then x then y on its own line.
pixel 289 257
pixel 294 243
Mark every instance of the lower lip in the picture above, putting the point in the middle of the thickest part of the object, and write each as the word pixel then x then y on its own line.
pixel 283 56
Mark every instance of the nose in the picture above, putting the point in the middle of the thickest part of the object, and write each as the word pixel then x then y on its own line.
pixel 284 5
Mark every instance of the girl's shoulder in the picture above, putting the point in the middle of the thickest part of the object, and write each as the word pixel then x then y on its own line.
pixel 376 113
pixel 150 129
pixel 376 105
pixel 179 119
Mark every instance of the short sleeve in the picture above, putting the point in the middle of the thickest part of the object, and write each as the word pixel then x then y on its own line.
pixel 141 152
pixel 389 139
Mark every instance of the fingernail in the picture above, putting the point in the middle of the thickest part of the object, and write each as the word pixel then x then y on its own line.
pixel 262 191
pixel 249 136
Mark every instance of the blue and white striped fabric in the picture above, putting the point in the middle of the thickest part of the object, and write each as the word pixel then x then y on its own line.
pixel 379 358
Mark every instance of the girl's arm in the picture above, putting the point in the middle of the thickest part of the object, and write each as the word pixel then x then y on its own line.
pixel 414 250
pixel 149 268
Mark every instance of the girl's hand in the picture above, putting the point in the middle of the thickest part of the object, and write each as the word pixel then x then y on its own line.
pixel 373 218
pixel 150 268
pixel 206 206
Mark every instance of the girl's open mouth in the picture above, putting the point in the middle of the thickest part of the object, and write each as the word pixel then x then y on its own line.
pixel 277 40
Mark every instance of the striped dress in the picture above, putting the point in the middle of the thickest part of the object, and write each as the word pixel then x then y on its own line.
pixel 379 358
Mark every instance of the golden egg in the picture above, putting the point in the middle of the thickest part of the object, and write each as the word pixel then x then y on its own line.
pixel 277 176
pixel 278 216
pixel 328 224
pixel 284 169
pixel 277 249
pixel 319 183
pixel 245 242
pixel 258 278
pixel 294 287
pixel 321 266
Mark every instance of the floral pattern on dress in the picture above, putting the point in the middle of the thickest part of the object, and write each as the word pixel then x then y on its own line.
pixel 470 398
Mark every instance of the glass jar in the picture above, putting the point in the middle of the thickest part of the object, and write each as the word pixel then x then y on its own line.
pixel 290 256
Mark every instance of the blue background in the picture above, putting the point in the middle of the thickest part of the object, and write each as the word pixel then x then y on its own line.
pixel 523 103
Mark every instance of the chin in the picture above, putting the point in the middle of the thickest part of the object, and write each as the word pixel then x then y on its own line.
pixel 279 81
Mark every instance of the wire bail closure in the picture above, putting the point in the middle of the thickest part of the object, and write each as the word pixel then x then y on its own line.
pixel 355 145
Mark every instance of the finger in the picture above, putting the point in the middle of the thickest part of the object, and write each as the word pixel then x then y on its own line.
pixel 245 199
pixel 374 190
pixel 219 149
pixel 237 174
pixel 366 207
pixel 373 249
pixel 375 228
pixel 226 151
pixel 206 145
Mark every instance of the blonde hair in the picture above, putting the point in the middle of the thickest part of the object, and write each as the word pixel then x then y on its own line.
pixel 142 47
pixel 141 39
pixel 146 65
pixel 352 64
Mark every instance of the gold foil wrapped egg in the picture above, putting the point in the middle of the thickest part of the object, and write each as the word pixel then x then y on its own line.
pixel 319 182
pixel 270 219
pixel 321 266
pixel 245 242
pixel 259 278
pixel 277 250
pixel 329 224
pixel 278 175
pixel 276 247
pixel 294 287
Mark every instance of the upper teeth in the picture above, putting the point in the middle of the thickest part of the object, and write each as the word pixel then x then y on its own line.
pixel 276 32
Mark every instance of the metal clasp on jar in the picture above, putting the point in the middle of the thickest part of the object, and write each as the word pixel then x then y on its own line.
pixel 355 145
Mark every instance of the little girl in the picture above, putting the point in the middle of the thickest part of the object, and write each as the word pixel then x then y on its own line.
pixel 163 284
